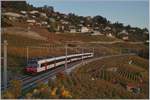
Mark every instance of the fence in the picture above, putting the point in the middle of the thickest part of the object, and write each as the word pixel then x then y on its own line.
pixel 19 56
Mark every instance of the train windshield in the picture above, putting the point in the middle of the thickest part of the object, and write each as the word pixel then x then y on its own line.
pixel 32 63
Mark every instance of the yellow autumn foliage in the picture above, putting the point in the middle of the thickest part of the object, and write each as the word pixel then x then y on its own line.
pixel 28 95
pixel 8 95
pixel 53 92
pixel 14 91
pixel 65 93
pixel 16 87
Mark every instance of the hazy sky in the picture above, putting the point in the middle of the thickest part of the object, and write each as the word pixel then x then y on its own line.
pixel 133 12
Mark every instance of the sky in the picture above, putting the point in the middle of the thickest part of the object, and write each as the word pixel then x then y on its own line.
pixel 128 12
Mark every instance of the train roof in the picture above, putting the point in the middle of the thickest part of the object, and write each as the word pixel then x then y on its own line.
pixel 61 57
pixel 39 58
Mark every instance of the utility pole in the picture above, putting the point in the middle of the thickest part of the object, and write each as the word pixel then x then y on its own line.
pixel 76 50
pixel 66 53
pixel 93 52
pixel 27 48
pixel 82 55
pixel 5 65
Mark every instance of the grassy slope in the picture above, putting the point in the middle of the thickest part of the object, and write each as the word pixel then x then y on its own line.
pixel 85 37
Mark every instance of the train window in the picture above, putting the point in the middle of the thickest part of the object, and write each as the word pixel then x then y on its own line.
pixel 43 64
pixel 32 63
pixel 47 63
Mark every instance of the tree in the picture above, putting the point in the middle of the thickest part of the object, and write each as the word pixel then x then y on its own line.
pixel 118 25
pixel 100 20
pixel 128 27
pixel 145 30
pixel 8 95
pixel 16 87
pixel 14 5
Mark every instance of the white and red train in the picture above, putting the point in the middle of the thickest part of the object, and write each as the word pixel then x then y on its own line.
pixel 40 65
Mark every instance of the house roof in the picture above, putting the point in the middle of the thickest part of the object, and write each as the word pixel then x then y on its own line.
pixel 107 28
pixel 124 32
pixel 23 12
pixel 34 11
pixel 132 85
pixel 12 14
pixel 31 21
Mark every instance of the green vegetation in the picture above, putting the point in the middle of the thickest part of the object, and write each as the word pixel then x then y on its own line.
pixel 14 91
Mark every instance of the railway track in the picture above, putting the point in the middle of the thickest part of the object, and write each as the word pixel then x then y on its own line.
pixel 31 81
pixel 46 76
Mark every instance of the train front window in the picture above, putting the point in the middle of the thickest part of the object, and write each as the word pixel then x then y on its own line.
pixel 32 63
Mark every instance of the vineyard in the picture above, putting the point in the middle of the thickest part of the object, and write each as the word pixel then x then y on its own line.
pixel 100 80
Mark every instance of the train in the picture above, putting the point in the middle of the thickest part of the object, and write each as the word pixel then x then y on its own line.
pixel 35 66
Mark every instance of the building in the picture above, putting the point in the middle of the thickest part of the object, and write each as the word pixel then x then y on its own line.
pixel 23 12
pixel 31 22
pixel 135 88
pixel 146 32
pixel 64 22
pixel 125 38
pixel 43 15
pixel 34 12
pixel 107 28
pixel 124 35
pixel 110 35
pixel 123 32
pixel 73 30
pixel 12 15
pixel 44 23
pixel 60 28
pixel 84 29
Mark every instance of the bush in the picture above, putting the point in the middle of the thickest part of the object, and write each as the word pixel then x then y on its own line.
pixel 14 91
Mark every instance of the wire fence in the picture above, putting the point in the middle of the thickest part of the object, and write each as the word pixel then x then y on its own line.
pixel 18 56
pixel 14 57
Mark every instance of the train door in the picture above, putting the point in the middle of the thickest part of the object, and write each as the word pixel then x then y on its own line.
pixel 45 65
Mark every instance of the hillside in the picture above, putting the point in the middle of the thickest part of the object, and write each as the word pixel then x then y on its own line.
pixel 108 78
pixel 30 17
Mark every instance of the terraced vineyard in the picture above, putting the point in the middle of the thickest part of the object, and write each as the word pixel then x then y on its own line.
pixel 129 75
pixel 108 80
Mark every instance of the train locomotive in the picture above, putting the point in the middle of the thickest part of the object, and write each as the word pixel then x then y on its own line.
pixel 40 65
